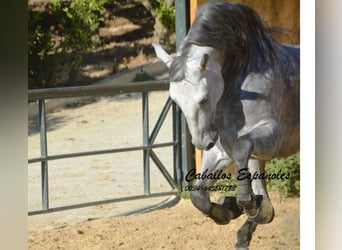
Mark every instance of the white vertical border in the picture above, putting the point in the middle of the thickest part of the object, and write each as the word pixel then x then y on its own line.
pixel 307 119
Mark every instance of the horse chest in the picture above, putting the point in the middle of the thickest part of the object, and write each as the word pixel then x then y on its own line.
pixel 254 104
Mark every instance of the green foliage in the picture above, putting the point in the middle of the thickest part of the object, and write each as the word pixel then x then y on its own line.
pixel 40 44
pixel 76 23
pixel 165 14
pixel 82 19
pixel 291 166
pixel 185 194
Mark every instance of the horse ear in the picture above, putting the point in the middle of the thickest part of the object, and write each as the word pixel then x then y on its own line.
pixel 204 62
pixel 162 54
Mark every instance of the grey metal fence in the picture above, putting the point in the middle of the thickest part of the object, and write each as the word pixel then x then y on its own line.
pixel 182 149
pixel 174 179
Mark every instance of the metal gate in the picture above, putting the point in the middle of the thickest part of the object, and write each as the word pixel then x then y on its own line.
pixel 182 149
pixel 174 179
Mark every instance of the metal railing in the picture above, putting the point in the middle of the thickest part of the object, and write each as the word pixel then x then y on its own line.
pixel 175 181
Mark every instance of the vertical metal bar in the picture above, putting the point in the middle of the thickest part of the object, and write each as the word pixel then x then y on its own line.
pixel 177 149
pixel 182 20
pixel 145 121
pixel 182 26
pixel 188 159
pixel 43 152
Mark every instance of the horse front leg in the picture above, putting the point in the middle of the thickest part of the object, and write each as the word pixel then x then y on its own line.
pixel 262 141
pixel 241 153
pixel 213 161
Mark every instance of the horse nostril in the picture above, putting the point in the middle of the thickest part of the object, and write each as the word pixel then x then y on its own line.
pixel 204 100
pixel 210 145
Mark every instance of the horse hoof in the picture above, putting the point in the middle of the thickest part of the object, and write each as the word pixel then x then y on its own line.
pixel 225 210
pixel 220 214
pixel 241 248
pixel 264 214
pixel 231 204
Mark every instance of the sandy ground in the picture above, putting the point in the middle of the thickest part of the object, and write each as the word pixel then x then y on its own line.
pixel 178 227
pixel 104 124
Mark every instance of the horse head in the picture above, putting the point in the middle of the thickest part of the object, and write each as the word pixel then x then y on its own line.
pixel 196 85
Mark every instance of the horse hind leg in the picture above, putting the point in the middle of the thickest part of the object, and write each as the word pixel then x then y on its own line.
pixel 265 213
pixel 244 235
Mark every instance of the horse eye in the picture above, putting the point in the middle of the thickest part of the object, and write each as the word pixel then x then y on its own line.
pixel 204 100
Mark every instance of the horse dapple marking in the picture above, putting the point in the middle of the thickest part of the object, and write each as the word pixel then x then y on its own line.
pixel 239 91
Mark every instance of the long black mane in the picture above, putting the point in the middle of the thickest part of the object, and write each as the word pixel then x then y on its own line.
pixel 239 32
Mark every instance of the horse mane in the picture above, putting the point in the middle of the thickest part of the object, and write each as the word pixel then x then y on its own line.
pixel 238 31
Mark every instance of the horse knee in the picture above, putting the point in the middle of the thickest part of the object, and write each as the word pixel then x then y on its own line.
pixel 242 150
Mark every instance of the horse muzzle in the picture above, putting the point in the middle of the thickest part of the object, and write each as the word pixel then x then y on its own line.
pixel 207 141
pixel 213 142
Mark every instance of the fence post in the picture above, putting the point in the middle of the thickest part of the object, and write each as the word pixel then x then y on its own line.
pixel 177 149
pixel 194 4
pixel 182 26
pixel 146 142
pixel 43 153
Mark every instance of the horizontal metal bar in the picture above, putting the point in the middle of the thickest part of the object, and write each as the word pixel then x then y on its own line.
pixel 93 203
pixel 164 204
pixel 96 89
pixel 98 152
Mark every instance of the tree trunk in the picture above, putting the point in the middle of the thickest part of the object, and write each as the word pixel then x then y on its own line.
pixel 160 32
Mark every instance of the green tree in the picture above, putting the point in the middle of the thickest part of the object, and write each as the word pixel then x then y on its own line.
pixel 40 45
pixel 76 23
pixel 81 20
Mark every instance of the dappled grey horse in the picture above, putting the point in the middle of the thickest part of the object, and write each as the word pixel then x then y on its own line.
pixel 239 91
